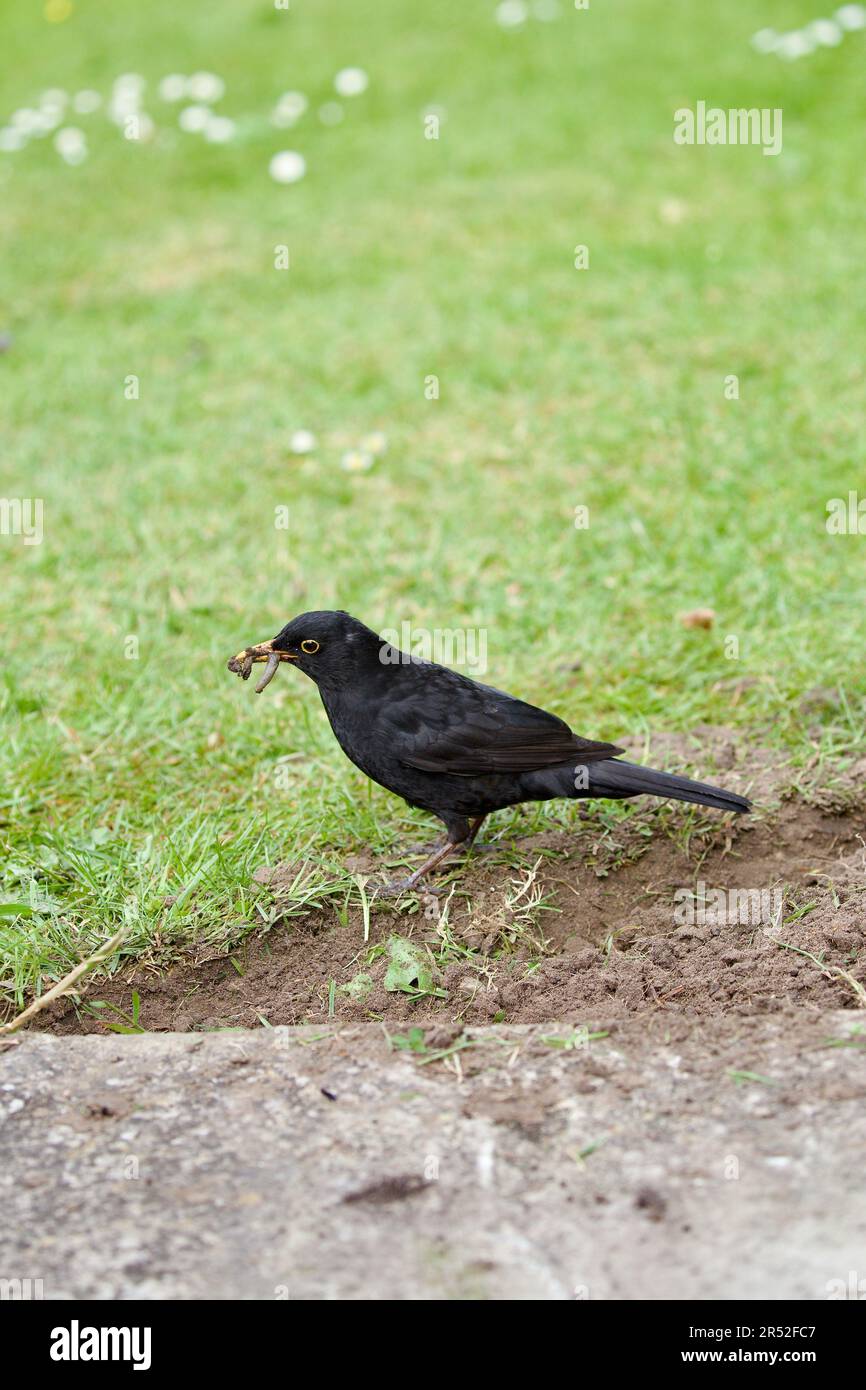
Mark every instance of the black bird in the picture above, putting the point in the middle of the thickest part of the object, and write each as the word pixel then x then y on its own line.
pixel 448 744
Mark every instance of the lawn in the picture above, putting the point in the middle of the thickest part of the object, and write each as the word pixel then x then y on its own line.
pixel 139 781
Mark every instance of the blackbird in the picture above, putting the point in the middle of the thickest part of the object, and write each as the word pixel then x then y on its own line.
pixel 448 744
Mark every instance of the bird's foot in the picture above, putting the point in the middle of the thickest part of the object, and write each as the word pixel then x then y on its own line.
pixel 398 887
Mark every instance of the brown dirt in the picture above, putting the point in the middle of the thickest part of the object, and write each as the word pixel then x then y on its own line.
pixel 613 947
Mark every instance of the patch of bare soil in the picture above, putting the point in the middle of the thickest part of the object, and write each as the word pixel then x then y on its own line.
pixel 667 912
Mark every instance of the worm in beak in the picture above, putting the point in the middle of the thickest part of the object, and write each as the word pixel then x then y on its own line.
pixel 269 672
pixel 243 663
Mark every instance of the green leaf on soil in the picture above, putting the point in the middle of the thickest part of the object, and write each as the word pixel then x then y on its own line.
pixel 359 987
pixel 410 970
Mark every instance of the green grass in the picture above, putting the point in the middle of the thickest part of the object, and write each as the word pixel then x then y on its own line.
pixel 145 788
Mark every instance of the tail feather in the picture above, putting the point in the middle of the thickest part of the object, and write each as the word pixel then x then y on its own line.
pixel 615 778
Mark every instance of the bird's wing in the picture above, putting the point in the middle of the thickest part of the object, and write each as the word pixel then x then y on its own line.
pixel 489 731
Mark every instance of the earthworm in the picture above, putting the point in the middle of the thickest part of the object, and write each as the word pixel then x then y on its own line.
pixel 269 672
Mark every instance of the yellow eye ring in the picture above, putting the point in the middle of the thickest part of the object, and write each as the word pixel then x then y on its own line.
pixel 309 646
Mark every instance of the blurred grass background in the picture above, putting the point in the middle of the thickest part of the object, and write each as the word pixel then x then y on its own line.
pixel 124 783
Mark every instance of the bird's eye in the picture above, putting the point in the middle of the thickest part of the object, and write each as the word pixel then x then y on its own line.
pixel 309 646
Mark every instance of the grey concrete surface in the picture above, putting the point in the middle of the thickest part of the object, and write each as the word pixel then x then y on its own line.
pixel 182 1166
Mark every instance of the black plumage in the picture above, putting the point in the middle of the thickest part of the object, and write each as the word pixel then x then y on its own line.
pixel 448 744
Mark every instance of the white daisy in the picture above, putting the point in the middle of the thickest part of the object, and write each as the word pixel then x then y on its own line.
pixel 219 130
pixel 765 41
pixel 852 17
pixel 375 443
pixel 287 167
pixel 12 139
pixel 172 87
pixel 351 82
pixel 289 109
pixel 194 119
pixel 206 86
pixel 825 32
pixel 71 145
pixel 49 119
pixel 797 44
pixel 26 119
pixel 355 461
pixel 130 83
pixel 511 13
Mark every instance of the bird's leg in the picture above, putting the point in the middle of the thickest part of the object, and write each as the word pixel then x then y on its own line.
pixel 440 852
pixel 474 827
pixel 406 886
pixel 432 845
pixel 435 858
pixel 475 845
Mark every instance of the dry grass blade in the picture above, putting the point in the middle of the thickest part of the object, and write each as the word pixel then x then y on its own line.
pixel 65 986
pixel 830 971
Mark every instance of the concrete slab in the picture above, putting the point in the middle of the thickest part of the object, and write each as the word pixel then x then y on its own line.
pixel 318 1163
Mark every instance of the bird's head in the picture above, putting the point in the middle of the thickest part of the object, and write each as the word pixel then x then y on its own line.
pixel 329 647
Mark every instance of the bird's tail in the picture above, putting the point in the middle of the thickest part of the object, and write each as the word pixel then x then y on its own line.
pixel 615 778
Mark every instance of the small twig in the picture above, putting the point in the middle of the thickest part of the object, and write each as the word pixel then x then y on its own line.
pixel 65 985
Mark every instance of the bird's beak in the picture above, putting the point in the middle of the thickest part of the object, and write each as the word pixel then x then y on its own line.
pixel 243 663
